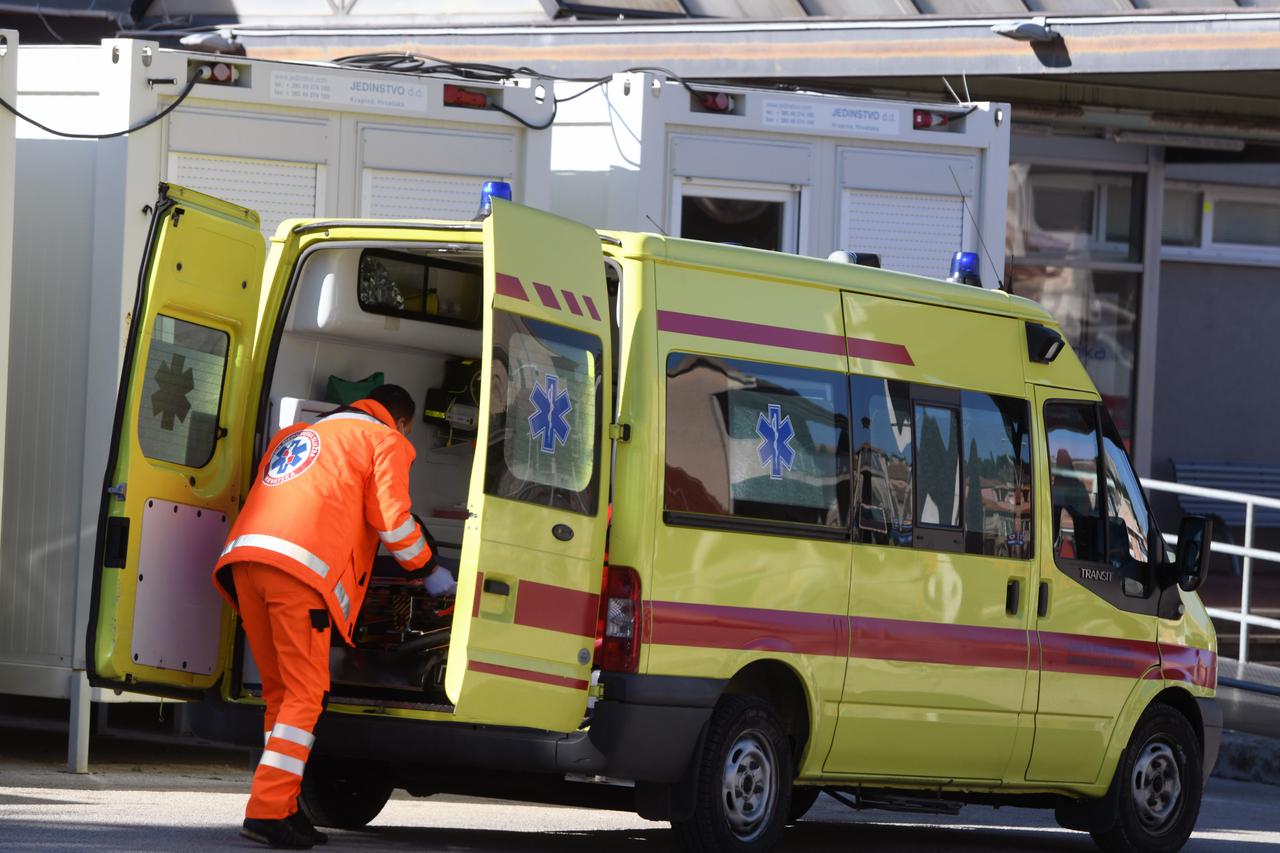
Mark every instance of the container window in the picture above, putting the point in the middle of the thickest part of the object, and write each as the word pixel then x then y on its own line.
pixel 182 392
pixel 997 475
pixel 1072 431
pixel 544 421
pixel 882 484
pixel 756 441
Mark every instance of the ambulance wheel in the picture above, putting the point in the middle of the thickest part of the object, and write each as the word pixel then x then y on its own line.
pixel 342 795
pixel 1155 796
pixel 743 786
pixel 802 799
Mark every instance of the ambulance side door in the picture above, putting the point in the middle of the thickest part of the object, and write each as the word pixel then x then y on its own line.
pixel 529 579
pixel 1096 596
pixel 172 483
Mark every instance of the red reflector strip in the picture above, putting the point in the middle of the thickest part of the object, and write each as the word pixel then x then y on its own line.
pixel 591 308
pixel 571 301
pixel 547 295
pixel 527 675
pixel 509 285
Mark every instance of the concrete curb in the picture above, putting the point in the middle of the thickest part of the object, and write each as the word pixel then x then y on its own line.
pixel 1249 758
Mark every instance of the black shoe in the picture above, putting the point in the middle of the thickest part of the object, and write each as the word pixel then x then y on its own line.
pixel 305 828
pixel 276 833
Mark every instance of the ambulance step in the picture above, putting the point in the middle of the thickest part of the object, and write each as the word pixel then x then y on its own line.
pixel 890 801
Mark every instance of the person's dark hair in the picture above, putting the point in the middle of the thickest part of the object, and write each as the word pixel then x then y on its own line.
pixel 396 400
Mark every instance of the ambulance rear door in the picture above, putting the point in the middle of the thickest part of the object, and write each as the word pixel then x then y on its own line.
pixel 529 579
pixel 173 478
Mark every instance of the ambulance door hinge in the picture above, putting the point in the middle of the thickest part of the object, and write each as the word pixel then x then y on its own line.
pixel 118 491
pixel 620 432
pixel 596 691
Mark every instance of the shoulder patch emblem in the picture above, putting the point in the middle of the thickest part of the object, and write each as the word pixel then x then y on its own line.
pixel 293 457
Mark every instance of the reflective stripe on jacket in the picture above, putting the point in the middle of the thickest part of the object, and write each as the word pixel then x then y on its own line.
pixel 325 495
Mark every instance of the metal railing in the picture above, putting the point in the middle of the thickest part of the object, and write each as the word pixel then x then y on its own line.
pixel 1249 553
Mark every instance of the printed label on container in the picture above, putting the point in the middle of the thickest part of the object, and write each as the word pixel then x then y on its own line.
pixel 340 90
pixel 839 118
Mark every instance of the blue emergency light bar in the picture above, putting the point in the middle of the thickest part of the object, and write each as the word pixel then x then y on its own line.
pixel 490 191
pixel 964 269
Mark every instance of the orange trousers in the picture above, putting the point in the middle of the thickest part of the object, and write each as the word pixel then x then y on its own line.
pixel 282 617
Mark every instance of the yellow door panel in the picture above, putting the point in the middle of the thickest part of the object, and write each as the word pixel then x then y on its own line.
pixel 530 574
pixel 1092 650
pixel 173 481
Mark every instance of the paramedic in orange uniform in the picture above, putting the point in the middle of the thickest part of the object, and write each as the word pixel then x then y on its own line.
pixel 298 561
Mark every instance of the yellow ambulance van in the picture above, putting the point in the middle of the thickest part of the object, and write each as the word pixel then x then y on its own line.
pixel 731 528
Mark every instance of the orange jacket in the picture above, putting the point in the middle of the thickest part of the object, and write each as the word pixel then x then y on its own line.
pixel 325 494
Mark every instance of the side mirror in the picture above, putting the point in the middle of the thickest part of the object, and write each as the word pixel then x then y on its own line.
pixel 1192 561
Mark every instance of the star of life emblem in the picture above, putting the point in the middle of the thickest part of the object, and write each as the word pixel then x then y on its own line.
pixel 292 457
pixel 550 419
pixel 775 433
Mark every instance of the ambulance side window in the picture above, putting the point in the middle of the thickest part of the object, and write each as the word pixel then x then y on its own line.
pixel 748 441
pixel 883 495
pixel 1128 522
pixel 544 416
pixel 1072 431
pixel 997 475
pixel 182 392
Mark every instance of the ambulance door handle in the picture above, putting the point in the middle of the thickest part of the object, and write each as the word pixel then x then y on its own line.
pixel 497 587
pixel 1042 602
pixel 1012 596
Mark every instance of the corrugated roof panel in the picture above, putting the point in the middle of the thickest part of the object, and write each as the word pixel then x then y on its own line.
pixel 1186 5
pixel 971 8
pixel 859 8
pixel 1071 7
pixel 746 8
pixel 661 7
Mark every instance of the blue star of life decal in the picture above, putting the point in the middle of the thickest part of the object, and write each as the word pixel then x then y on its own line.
pixel 776 433
pixel 550 418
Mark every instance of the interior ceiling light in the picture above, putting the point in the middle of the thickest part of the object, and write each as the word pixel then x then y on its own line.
pixel 1036 31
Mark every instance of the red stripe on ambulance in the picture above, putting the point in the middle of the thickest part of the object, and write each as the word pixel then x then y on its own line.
pixel 556 608
pixel 527 675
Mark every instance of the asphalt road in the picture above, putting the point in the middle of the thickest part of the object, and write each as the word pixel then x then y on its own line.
pixel 158 797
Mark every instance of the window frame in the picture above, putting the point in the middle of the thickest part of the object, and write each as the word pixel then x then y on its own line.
pixel 593 482
pixel 1221 252
pixel 936 537
pixel 218 431
pixel 740 524
pixel 1111 588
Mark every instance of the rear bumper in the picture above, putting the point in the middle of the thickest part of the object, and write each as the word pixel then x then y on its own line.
pixel 645 730
pixel 1211 719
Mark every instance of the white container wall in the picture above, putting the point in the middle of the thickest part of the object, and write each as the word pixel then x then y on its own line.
pixel 14 579
pixel 286 139
pixel 802 173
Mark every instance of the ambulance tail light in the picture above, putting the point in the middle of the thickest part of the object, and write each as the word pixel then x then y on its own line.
pixel 618 628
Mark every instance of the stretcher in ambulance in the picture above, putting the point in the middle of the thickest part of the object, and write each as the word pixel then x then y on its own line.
pixel 870 533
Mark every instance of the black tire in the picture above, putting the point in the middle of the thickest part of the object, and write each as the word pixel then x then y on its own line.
pixel 802 799
pixel 743 793
pixel 1155 795
pixel 342 795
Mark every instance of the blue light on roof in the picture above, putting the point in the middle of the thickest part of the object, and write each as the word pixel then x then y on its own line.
pixel 964 269
pixel 490 191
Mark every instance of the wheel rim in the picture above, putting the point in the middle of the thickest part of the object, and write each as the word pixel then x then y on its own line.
pixel 1157 784
pixel 750 785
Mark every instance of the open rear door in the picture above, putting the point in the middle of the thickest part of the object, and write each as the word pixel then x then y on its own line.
pixel 174 476
pixel 529 581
